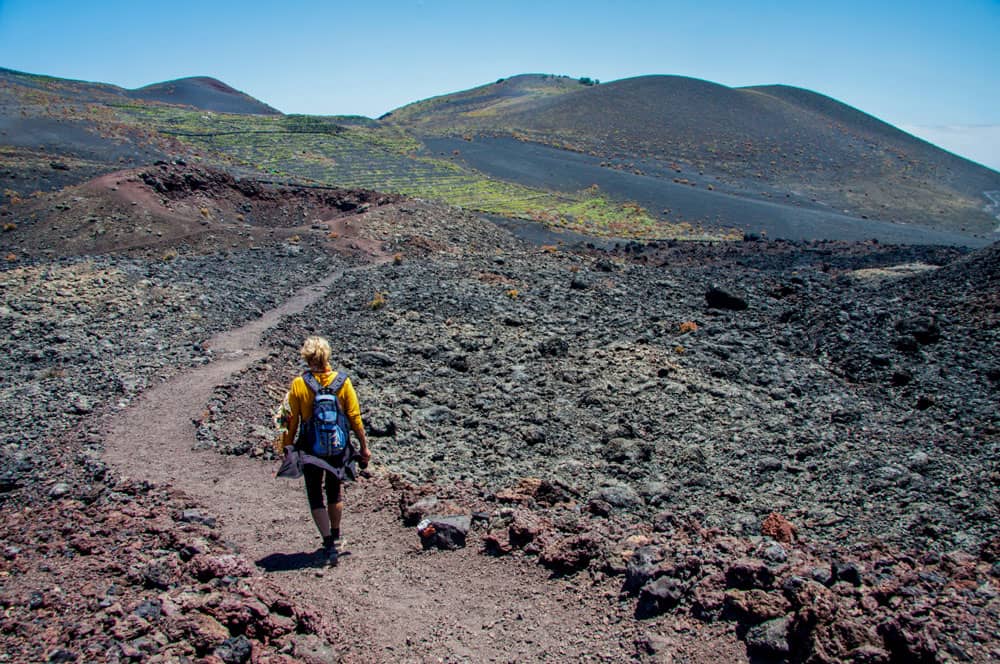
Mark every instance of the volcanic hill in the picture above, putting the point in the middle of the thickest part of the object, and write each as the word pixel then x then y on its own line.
pixel 653 157
pixel 784 143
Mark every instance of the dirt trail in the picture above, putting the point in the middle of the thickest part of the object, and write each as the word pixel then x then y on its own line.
pixel 399 603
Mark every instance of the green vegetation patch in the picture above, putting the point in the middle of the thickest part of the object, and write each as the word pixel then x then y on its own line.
pixel 334 152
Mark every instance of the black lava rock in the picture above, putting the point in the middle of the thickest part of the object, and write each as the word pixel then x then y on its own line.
pixel 717 298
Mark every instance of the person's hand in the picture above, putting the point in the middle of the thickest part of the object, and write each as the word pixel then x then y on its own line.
pixel 364 456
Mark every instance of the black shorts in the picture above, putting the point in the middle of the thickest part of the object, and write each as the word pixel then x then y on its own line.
pixel 314 487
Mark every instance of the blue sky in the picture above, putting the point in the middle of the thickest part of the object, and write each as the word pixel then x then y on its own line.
pixel 929 68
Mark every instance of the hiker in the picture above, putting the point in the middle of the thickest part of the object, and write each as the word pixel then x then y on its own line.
pixel 301 400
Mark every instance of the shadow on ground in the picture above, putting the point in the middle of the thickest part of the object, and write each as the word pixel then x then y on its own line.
pixel 288 562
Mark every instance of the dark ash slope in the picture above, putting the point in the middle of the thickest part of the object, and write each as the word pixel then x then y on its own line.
pixel 774 138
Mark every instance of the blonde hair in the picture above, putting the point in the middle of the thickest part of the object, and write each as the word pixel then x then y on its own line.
pixel 316 352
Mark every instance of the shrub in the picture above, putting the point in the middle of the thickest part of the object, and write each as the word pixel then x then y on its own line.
pixel 688 326
pixel 377 302
pixel 634 209
pixel 397 259
pixel 169 255
pixel 10 226
pixel 512 293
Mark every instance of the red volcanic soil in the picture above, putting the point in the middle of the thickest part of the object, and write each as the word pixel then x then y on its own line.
pixel 151 209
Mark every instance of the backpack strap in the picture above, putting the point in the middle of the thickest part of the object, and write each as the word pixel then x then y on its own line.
pixel 314 385
pixel 338 382
pixel 311 381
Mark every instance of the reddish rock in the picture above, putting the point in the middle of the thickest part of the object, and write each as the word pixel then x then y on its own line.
pixel 572 554
pixel 202 631
pixel 779 528
pixel 747 574
pixel 525 527
pixel 206 567
pixel 521 494
pixel 84 544
pixel 755 605
pixel 497 543
pixel 813 602
pixel 241 615
pixel 835 641
pixel 908 643
pixel 709 596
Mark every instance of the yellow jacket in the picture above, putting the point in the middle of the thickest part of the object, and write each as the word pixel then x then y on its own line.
pixel 300 404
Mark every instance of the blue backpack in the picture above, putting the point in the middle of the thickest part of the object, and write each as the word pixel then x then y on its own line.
pixel 326 434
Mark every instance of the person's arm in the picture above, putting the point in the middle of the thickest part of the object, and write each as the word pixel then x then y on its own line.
pixel 353 410
pixel 294 415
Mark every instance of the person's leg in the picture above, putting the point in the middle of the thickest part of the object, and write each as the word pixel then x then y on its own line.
pixel 322 521
pixel 335 504
pixel 314 492
pixel 331 515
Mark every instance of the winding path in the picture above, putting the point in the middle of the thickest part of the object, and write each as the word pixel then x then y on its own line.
pixel 399 604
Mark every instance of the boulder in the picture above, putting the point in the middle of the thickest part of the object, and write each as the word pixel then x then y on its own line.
pixel 659 596
pixel 572 554
pixel 845 571
pixel 748 574
pixel 444 532
pixel 497 543
pixel 641 567
pixel 235 650
pixel 553 347
pixel 769 639
pixel 922 329
pixel 756 606
pixel 717 298
pixel 526 527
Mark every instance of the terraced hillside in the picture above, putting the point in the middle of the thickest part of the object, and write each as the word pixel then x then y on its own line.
pixel 62 132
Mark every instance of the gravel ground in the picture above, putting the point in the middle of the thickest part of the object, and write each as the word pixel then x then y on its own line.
pixel 664 396
pixel 587 371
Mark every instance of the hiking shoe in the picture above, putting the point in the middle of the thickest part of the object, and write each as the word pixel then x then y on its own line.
pixel 332 555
